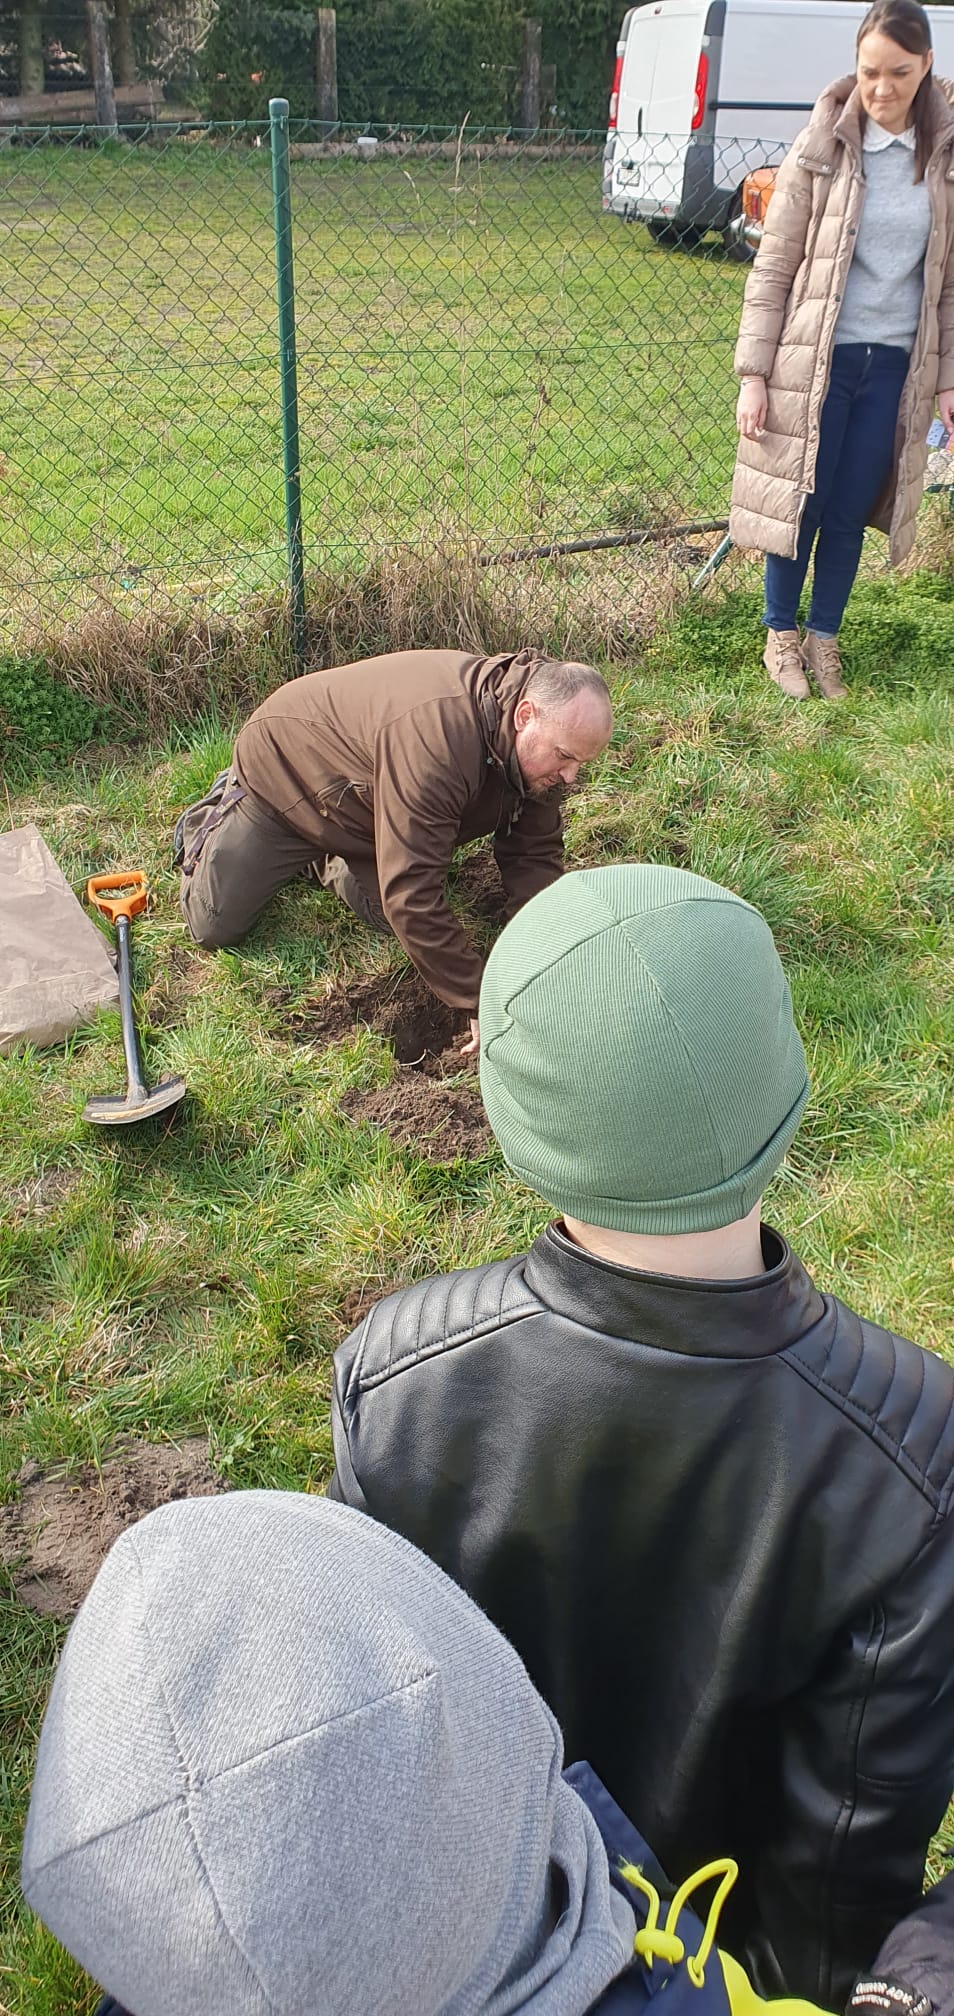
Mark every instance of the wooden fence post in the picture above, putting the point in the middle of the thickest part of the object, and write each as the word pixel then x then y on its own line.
pixel 326 67
pixel 530 76
pixel 102 69
pixel 125 52
pixel 30 53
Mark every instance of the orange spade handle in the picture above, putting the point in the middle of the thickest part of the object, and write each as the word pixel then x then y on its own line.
pixel 118 906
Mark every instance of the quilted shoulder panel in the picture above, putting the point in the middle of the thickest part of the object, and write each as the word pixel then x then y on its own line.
pixel 900 1395
pixel 434 1316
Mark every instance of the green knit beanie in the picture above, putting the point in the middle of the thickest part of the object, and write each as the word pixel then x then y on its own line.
pixel 639 1062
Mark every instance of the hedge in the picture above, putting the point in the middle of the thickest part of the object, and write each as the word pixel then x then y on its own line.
pixel 413 62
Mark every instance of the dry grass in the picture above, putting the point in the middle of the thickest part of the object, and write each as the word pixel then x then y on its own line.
pixel 155 667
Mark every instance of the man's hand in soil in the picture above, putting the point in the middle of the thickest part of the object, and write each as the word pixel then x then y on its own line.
pixel 472 1047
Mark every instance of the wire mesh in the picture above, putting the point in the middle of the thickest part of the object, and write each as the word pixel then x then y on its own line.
pixel 139 418
pixel 485 353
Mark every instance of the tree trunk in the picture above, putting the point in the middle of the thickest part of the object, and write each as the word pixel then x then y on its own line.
pixel 126 72
pixel 31 47
pixel 326 67
pixel 530 77
pixel 102 69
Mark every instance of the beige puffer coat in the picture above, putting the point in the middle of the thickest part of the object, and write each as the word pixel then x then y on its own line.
pixel 792 298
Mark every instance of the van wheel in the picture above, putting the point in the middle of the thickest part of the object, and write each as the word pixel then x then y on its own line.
pixel 733 238
pixel 672 235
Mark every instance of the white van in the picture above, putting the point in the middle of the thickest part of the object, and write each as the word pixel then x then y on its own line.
pixel 706 90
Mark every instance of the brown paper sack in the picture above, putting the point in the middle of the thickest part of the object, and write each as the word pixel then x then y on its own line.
pixel 55 966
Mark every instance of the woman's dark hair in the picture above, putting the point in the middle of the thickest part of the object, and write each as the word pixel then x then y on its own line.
pixel 907 24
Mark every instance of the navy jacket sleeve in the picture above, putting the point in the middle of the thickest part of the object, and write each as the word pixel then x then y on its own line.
pixel 919 1953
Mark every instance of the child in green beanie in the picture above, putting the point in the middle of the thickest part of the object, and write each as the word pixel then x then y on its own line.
pixel 708 1504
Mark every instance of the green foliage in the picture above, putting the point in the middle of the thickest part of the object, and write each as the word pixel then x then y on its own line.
pixel 256 53
pixel 428 61
pixel 899 634
pixel 579 38
pixel 41 720
pixel 410 62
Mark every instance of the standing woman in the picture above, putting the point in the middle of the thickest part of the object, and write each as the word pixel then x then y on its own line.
pixel 847 339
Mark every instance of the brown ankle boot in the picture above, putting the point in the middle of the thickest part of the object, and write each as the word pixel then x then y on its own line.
pixel 782 659
pixel 823 658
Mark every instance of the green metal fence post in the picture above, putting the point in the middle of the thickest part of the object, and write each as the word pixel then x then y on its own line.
pixel 285 273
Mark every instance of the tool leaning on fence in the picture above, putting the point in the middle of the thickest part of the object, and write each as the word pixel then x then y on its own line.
pixel 138 1102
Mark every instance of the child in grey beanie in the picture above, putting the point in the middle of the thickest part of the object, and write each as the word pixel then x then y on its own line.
pixel 289 1769
pixel 308 1777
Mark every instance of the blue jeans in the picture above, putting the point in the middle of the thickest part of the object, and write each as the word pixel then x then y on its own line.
pixel 855 447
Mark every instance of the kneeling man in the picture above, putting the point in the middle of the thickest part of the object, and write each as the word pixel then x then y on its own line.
pixel 376 772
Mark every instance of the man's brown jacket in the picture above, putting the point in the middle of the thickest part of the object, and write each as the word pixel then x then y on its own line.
pixel 396 761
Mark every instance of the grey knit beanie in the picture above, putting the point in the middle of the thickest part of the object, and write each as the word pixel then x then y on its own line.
pixel 639 1061
pixel 289 1769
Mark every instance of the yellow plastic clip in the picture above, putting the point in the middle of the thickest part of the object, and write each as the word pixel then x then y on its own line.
pixel 662 1942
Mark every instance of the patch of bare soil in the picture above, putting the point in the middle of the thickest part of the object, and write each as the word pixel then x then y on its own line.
pixel 43 1194
pixel 358 1301
pixel 182 975
pixel 54 1538
pixel 440 1121
pixel 426 1106
pixel 477 882
pixel 422 1031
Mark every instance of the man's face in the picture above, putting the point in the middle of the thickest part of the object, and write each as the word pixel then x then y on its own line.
pixel 551 747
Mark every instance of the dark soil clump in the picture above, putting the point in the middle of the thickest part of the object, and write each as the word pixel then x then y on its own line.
pixel 61 1528
pixel 398 1006
pixel 358 1301
pixel 478 883
pixel 442 1122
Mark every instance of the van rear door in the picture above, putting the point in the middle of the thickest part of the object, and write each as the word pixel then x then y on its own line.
pixel 657 104
pixel 681 26
pixel 640 36
pixel 679 75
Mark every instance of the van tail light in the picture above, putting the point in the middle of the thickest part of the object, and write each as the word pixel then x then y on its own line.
pixel 699 99
pixel 614 94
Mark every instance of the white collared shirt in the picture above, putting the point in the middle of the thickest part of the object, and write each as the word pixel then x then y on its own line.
pixel 878 137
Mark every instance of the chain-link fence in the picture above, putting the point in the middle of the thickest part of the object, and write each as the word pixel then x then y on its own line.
pixel 484 354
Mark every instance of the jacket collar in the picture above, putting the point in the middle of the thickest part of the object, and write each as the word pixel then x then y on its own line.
pixel 943 113
pixel 876 139
pixel 708 1319
pixel 496 684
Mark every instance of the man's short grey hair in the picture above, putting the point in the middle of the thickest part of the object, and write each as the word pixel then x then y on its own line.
pixel 555 682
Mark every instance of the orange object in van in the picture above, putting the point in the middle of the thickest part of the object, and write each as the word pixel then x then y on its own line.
pixel 756 197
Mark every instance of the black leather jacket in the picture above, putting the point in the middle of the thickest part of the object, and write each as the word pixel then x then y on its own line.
pixel 715 1521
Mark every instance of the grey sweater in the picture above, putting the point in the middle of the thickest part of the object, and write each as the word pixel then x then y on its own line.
pixel 882 297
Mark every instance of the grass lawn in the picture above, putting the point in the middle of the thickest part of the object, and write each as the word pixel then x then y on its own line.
pixel 480 351
pixel 198 1280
